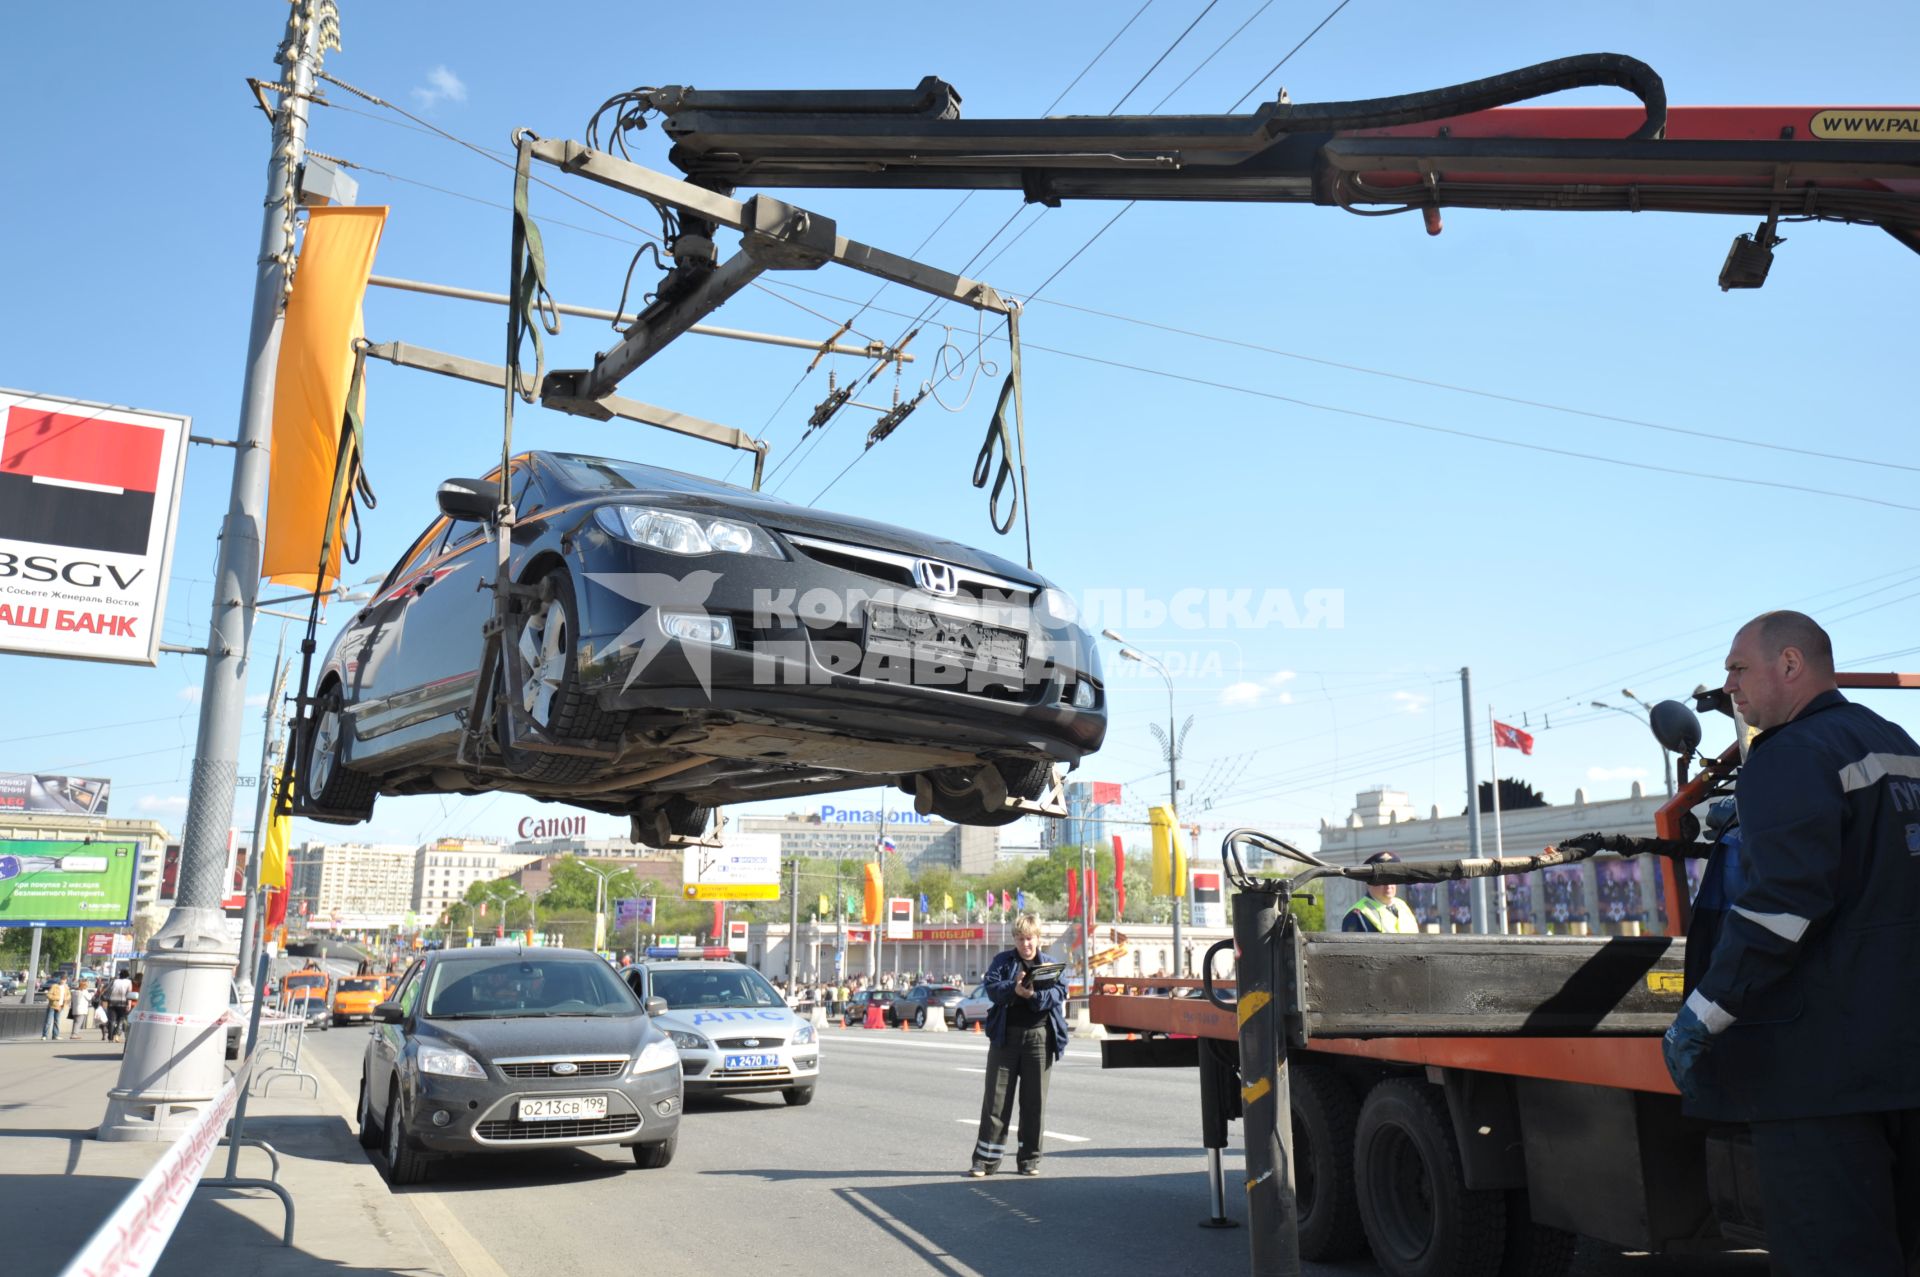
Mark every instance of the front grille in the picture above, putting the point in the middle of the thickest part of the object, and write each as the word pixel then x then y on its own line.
pixel 741 1075
pixel 748 1044
pixel 513 1130
pixel 896 568
pixel 524 1069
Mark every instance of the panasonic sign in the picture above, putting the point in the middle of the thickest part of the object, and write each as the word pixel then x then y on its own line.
pixel 830 815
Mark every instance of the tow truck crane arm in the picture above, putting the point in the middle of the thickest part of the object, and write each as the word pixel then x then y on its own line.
pixel 1463 146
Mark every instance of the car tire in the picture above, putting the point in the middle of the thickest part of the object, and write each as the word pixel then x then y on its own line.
pixel 798 1096
pixel 1421 1219
pixel 1534 1250
pixel 960 1021
pixel 363 1117
pixel 551 695
pixel 920 1018
pixel 333 792
pixel 405 1164
pixel 676 818
pixel 955 799
pixel 657 1154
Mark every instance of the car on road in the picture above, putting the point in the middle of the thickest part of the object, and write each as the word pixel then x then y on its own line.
pixel 675 644
pixel 914 1005
pixel 734 1031
pixel 854 1014
pixel 307 993
pixel 355 997
pixel 504 1048
pixel 972 1009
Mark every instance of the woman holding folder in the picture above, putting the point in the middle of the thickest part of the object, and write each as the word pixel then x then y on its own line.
pixel 1027 1029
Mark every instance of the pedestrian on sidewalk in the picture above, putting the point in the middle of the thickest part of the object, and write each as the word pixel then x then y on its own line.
pixel 57 999
pixel 1027 1027
pixel 80 1008
pixel 119 994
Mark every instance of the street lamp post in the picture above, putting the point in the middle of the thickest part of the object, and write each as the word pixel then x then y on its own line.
pixel 599 905
pixel 1129 653
pixel 1645 715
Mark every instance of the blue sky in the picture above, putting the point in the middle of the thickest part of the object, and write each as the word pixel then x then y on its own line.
pixel 137 166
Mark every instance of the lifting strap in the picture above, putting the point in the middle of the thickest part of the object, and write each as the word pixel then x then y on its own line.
pixel 1012 450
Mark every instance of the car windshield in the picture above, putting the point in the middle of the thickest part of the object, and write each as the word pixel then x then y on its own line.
pixel 737 987
pixel 358 986
pixel 481 988
pixel 603 475
pixel 306 981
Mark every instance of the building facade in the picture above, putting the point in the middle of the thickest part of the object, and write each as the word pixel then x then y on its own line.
pixel 350 886
pixel 921 842
pixel 1608 894
pixel 445 868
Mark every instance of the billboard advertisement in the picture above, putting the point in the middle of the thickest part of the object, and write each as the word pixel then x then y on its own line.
pixel 899 918
pixel 1209 908
pixel 63 883
pixel 89 499
pixel 629 911
pixel 744 867
pixel 53 795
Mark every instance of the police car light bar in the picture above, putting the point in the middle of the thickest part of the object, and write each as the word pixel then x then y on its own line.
pixel 696 951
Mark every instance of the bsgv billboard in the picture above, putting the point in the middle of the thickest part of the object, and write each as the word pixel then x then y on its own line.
pixel 61 883
pixel 89 497
pixel 61 795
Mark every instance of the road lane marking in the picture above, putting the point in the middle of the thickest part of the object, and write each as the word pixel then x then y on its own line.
pixel 1015 1130
pixel 966 1068
pixel 849 1040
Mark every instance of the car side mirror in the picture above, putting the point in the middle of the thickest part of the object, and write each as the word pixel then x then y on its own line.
pixel 469 500
pixel 657 1006
pixel 389 1013
pixel 1676 727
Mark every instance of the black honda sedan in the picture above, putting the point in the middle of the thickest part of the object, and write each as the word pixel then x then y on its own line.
pixel 669 644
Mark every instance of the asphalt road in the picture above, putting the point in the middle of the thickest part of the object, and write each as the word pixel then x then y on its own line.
pixel 869 1177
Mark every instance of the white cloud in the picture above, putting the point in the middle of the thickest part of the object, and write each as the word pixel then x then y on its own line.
pixel 1413 702
pixel 1616 773
pixel 173 806
pixel 191 695
pixel 1283 676
pixel 1241 694
pixel 442 86
pixel 1285 698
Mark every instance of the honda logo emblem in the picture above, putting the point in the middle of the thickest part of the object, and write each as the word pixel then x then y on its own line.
pixel 936 578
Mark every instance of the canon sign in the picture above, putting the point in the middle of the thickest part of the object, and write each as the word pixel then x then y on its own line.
pixel 553 827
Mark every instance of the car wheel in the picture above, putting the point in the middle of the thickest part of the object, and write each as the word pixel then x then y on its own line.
pixel 337 794
pixel 549 690
pixel 955 798
pixel 960 1021
pixel 405 1164
pixel 1420 1217
pixel 798 1096
pixel 363 1117
pixel 657 1154
pixel 675 818
pixel 920 1018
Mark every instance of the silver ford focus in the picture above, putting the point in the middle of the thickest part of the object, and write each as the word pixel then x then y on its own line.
pixel 733 1029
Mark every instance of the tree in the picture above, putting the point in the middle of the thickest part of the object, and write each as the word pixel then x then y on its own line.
pixel 57 945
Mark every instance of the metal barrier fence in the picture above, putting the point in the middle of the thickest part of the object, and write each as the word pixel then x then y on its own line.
pixel 132 1239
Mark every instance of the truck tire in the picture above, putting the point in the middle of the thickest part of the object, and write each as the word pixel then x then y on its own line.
pixel 1325 1115
pixel 1420 1217
pixel 1534 1250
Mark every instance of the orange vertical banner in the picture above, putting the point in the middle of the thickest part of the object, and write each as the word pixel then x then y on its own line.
pixel 310 386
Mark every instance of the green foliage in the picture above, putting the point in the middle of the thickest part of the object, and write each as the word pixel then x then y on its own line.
pixel 57 945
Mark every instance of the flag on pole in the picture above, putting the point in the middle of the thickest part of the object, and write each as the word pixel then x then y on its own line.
pixel 824 908
pixel 969 903
pixel 924 910
pixel 273 855
pixel 1073 893
pixel 1006 900
pixel 872 907
pixel 1506 736
pixel 1119 879
pixel 1020 900
pixel 887 845
pixel 948 905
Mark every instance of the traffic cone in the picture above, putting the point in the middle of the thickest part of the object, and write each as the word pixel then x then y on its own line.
pixel 875 1020
pixel 904 1026
pixel 975 1026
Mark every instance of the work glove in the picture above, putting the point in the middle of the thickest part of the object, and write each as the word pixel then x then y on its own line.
pixel 1684 1046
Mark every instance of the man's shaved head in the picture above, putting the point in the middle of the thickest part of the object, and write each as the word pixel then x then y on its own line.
pixel 1778 631
pixel 1779 662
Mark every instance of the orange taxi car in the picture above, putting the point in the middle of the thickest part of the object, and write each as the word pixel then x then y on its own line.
pixel 356 996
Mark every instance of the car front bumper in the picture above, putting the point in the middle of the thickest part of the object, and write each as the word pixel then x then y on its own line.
pixel 706 1073
pixel 481 1112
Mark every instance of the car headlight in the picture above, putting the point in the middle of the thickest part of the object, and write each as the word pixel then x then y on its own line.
pixel 657 1054
pixel 803 1035
pixel 448 1062
pixel 688 1041
pixel 678 533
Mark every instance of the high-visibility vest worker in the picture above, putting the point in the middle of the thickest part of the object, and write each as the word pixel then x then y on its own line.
pixel 1381 909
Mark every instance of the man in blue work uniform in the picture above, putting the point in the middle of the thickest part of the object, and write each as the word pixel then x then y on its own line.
pixel 1806 1022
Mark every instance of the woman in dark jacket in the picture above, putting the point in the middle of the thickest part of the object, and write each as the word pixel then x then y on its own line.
pixel 1027 1028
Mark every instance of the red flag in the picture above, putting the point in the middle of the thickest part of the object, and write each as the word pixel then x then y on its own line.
pixel 1006 900
pixel 1073 893
pixel 1106 793
pixel 719 922
pixel 1509 737
pixel 276 908
pixel 1119 879
pixel 1092 894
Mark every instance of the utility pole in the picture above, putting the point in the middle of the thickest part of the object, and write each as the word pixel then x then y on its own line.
pixel 1473 801
pixel 172 1071
pixel 272 750
pixel 793 926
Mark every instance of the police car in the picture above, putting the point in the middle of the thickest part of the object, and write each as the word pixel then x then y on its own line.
pixel 733 1029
